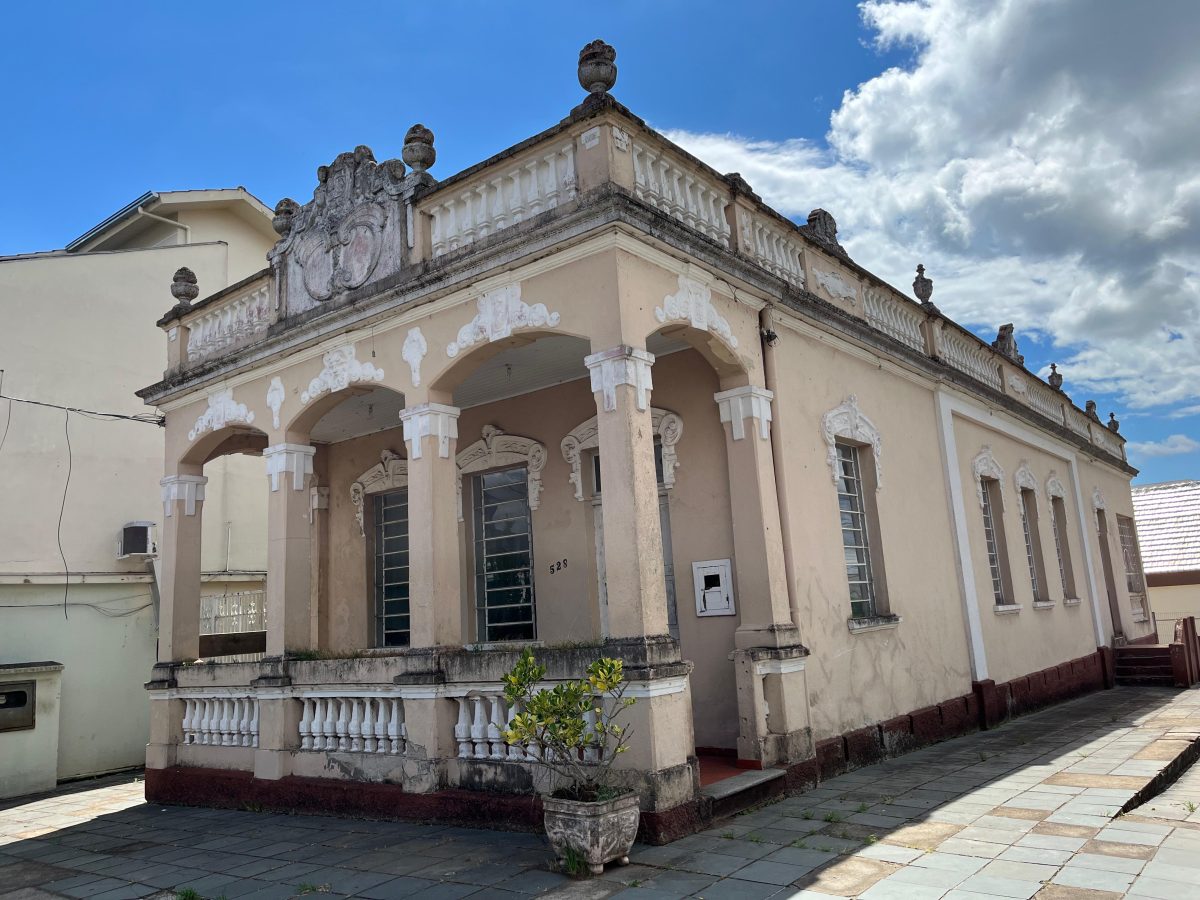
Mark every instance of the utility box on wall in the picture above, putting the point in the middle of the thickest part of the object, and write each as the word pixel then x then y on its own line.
pixel 713 580
pixel 29 711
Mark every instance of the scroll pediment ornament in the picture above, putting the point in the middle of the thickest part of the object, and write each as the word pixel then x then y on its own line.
pixel 222 410
pixel 390 474
pixel 1054 486
pixel 847 421
pixel 495 449
pixel 668 427
pixel 1098 499
pixel 835 285
pixel 984 465
pixel 415 348
pixel 693 303
pixel 1024 478
pixel 500 312
pixel 341 369
pixel 275 397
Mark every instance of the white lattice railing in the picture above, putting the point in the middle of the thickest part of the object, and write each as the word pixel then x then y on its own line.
pixel 483 717
pixel 897 318
pixel 233 613
pixel 775 250
pixel 681 194
pixel 482 208
pixel 1077 421
pixel 969 356
pixel 230 322
pixel 1046 401
pixel 347 723
pixel 226 721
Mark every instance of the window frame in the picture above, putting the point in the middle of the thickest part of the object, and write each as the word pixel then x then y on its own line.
pixel 483 629
pixel 1131 560
pixel 1062 546
pixel 866 485
pixel 996 541
pixel 378 510
pixel 1031 532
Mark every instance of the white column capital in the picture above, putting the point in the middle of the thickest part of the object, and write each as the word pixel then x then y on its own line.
pixel 432 420
pixel 294 458
pixel 621 365
pixel 188 488
pixel 745 402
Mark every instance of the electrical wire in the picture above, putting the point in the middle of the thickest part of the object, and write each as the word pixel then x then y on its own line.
pixel 105 612
pixel 63 508
pixel 146 418
pixel 7 422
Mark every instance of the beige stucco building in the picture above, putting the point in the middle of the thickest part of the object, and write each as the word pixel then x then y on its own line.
pixel 591 395
pixel 79 333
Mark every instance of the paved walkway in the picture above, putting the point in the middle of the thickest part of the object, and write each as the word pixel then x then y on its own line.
pixel 1027 810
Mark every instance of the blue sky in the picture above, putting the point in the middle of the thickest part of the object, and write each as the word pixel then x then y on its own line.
pixel 931 156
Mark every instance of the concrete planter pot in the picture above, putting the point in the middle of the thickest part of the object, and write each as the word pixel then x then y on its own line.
pixel 597 832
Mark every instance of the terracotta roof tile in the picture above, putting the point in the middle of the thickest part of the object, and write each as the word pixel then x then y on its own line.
pixel 1168 525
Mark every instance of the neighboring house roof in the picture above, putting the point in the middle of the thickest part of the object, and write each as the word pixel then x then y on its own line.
pixel 1168 525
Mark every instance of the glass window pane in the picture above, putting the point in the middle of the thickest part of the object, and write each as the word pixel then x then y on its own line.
pixel 855 544
pixel 391 568
pixel 503 558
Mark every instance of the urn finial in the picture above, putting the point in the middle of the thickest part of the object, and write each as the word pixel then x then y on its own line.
pixel 285 213
pixel 1055 378
pixel 184 286
pixel 418 149
pixel 1113 424
pixel 597 67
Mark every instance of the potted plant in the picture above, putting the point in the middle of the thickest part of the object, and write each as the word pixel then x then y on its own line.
pixel 573 728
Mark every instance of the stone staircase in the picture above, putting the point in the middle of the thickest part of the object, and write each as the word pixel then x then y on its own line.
pixel 1176 664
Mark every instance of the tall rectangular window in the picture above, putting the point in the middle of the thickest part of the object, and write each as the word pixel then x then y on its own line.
pixel 503 556
pixel 1062 545
pixel 1135 582
pixel 391 569
pixel 856 533
pixel 1033 544
pixel 997 548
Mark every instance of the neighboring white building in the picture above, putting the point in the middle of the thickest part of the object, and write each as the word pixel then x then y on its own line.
pixel 79 332
pixel 1168 531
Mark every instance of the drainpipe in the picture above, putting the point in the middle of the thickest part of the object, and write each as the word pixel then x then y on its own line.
pixel 777 461
pixel 187 231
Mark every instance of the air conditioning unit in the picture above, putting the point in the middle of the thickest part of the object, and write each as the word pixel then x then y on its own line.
pixel 137 539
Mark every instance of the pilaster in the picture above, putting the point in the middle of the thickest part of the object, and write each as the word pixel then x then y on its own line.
pixel 179 584
pixel 289 548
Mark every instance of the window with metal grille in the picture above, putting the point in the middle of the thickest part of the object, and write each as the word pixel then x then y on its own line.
pixel 993 530
pixel 1033 543
pixel 391 569
pixel 1062 545
pixel 503 555
pixel 1134 581
pixel 856 543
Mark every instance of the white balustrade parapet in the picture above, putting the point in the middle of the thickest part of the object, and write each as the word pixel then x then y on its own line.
pixel 1077 421
pixel 896 318
pixel 1046 400
pixel 353 723
pixel 479 209
pixel 230 322
pixel 483 717
pixel 221 721
pixel 774 249
pixel 691 198
pixel 1107 441
pixel 971 357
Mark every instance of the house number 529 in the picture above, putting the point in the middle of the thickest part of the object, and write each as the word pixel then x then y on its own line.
pixel 558 566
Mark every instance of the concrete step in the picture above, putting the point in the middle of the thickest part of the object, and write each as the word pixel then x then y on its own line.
pixel 752 787
pixel 1146 680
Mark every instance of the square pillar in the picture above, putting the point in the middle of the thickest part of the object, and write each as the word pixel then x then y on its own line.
pixel 761 577
pixel 637 595
pixel 289 548
pixel 179 584
pixel 434 567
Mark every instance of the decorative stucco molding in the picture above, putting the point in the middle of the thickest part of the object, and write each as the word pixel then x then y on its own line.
pixel 432 420
pixel 984 465
pixel 1024 478
pixel 1054 486
pixel 620 139
pixel 668 427
pixel 341 369
pixel 222 410
pixel 742 403
pixel 501 311
pixel 835 285
pixel 693 303
pixel 621 365
pixel 495 449
pixel 1098 499
pixel 294 458
pixel 847 421
pixel 390 474
pixel 1017 386
pixel 186 488
pixel 414 351
pixel 275 397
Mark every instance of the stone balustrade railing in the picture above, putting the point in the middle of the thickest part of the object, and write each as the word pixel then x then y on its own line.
pixel 221 720
pixel 1107 441
pixel 896 317
pixel 353 723
pixel 667 184
pixel 965 353
pixel 483 717
pixel 1078 422
pixel 774 249
pixel 1046 400
pixel 481 207
pixel 230 322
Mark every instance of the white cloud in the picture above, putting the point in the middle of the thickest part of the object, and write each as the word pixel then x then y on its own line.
pixel 1184 412
pixel 1039 158
pixel 1175 445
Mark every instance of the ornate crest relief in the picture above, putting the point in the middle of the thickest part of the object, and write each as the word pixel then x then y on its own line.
pixel 501 311
pixel 340 371
pixel 847 421
pixel 1054 487
pixel 1098 499
pixel 668 427
pixel 495 448
pixel 1024 478
pixel 275 398
pixel 835 285
pixel 222 410
pixel 414 351
pixel 693 303
pixel 391 473
pixel 984 465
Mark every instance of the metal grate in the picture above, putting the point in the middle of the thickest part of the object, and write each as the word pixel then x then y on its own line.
pixel 1031 550
pixel 855 543
pixel 503 555
pixel 993 548
pixel 392 621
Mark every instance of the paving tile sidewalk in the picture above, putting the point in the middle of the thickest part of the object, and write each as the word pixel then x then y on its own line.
pixel 1024 811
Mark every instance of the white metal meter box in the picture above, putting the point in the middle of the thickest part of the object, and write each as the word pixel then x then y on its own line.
pixel 713 580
